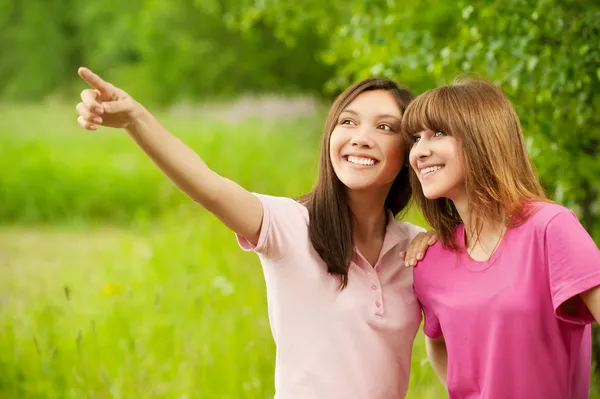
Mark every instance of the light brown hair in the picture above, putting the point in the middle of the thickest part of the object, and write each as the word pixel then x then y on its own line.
pixel 500 178
pixel 331 221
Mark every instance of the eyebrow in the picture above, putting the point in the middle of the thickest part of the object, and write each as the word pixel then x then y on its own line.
pixel 379 115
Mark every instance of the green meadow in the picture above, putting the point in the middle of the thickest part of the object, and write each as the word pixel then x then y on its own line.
pixel 113 284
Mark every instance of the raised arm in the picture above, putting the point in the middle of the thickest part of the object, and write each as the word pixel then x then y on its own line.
pixel 107 105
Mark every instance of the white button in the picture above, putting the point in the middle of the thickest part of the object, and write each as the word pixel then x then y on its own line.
pixel 378 304
pixel 373 287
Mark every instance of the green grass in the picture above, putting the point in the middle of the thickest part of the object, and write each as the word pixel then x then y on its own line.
pixel 53 171
pixel 158 313
pixel 114 285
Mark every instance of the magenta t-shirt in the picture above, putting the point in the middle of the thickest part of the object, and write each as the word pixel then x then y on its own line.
pixel 505 331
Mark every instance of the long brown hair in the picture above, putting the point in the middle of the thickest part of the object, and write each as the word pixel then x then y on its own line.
pixel 500 178
pixel 331 228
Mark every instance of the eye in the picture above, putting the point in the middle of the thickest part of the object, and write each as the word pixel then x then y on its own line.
pixel 385 126
pixel 439 133
pixel 416 139
pixel 347 122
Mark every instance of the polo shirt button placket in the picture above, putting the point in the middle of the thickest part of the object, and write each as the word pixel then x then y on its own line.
pixel 378 309
pixel 376 288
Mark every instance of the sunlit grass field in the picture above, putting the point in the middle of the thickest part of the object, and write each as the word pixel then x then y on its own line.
pixel 114 285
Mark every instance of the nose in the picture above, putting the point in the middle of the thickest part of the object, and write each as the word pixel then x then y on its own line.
pixel 361 139
pixel 421 149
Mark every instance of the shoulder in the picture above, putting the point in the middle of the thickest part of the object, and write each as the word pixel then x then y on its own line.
pixel 282 204
pixel 438 256
pixel 407 230
pixel 435 255
pixel 543 213
pixel 283 213
pixel 434 269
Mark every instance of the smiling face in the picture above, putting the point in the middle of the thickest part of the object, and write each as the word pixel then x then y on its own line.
pixel 468 157
pixel 366 148
pixel 438 163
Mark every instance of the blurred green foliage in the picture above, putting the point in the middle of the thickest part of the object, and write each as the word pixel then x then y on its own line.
pixel 83 329
pixel 544 54
pixel 161 51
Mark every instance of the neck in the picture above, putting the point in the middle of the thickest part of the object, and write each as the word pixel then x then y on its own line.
pixel 370 219
pixel 462 206
pixel 490 231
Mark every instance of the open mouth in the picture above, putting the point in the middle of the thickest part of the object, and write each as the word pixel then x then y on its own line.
pixel 430 170
pixel 360 161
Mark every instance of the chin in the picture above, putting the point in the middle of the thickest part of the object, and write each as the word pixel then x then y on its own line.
pixel 357 186
pixel 433 194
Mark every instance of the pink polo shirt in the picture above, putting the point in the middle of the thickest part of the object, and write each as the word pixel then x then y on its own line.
pixel 505 330
pixel 350 344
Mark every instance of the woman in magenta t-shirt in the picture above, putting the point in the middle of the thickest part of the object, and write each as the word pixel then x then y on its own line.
pixel 511 289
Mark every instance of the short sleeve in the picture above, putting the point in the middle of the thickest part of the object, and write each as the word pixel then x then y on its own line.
pixel 431 324
pixel 283 225
pixel 573 264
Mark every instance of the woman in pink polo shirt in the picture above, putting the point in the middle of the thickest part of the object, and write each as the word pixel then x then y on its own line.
pixel 510 291
pixel 341 305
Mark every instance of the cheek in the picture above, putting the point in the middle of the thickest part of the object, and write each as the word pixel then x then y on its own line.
pixel 335 144
pixel 460 170
pixel 412 158
pixel 457 155
pixel 394 152
pixel 333 148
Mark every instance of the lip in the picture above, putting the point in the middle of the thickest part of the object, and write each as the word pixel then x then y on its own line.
pixel 428 165
pixel 345 157
pixel 428 174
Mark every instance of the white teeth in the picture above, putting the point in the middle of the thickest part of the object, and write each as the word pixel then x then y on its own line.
pixel 430 169
pixel 360 161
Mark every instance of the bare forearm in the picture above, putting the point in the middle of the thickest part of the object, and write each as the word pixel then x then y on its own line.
pixel 176 160
pixel 110 106
pixel 233 205
pixel 438 357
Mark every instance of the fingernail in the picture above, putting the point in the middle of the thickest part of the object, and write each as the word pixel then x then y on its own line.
pixel 99 110
pixel 97 120
pixel 420 255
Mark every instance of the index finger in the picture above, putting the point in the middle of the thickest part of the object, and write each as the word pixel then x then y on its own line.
pixel 422 246
pixel 414 245
pixel 94 80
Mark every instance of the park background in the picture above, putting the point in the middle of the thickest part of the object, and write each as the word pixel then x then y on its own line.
pixel 112 283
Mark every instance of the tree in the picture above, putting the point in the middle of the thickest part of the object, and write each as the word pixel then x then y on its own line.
pixel 189 50
pixel 544 54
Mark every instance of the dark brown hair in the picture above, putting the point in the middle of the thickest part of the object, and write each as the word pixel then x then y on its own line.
pixel 331 221
pixel 500 178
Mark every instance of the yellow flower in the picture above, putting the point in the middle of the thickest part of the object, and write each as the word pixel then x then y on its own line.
pixel 111 289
